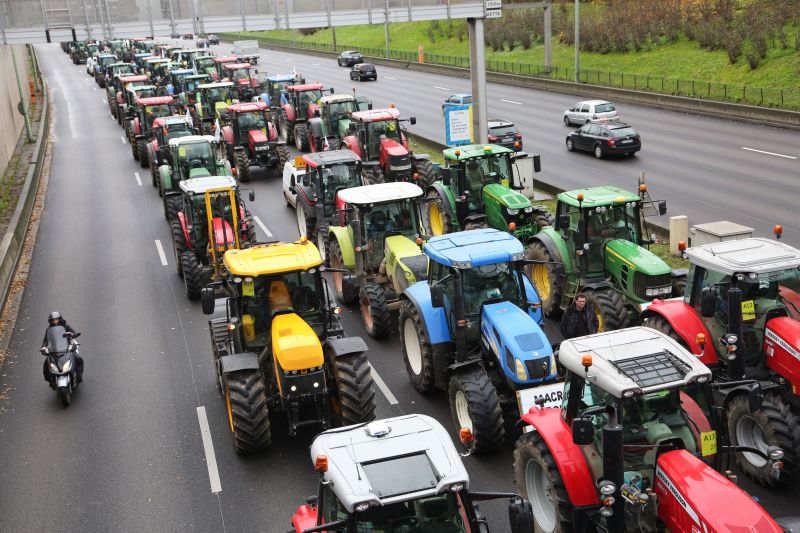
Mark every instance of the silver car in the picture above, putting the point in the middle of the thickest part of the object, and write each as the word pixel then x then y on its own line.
pixel 590 111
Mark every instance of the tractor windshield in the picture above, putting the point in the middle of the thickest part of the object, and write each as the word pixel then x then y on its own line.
pixel 482 171
pixel 145 93
pixel 386 129
pixel 178 130
pixel 161 110
pixel 613 222
pixel 240 74
pixel 305 98
pixel 395 218
pixel 338 177
pixel 218 94
pixel 251 121
pixel 339 110
pixel 123 69
pixel 205 65
pixel 196 155
pixel 498 281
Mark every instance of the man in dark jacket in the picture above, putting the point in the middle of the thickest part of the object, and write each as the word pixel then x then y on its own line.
pixel 578 320
pixel 55 319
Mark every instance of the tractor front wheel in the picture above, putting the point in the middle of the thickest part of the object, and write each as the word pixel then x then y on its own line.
pixel 141 147
pixel 283 156
pixel 417 351
pixel 545 278
pixel 474 405
pixel 286 127
pixel 346 290
pixel 301 137
pixel 375 311
pixel 659 323
pixel 178 244
pixel 192 274
pixel 242 165
pixel 353 401
pixel 538 480
pixel 373 174
pixel 323 242
pixel 773 425
pixel 248 414
pixel 439 221
pixel 172 206
pixel 609 307
pixel 679 286
pixel 424 170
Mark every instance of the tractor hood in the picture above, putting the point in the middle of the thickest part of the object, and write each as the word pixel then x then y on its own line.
pixel 782 347
pixel 694 497
pixel 496 192
pixel 294 344
pixel 256 137
pixel 223 234
pixel 518 343
pixel 640 259
pixel 393 148
pixel 219 106
pixel 343 125
pixel 199 172
pixel 413 263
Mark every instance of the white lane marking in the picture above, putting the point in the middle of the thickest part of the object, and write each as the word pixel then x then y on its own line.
pixel 287 58
pixel 768 153
pixel 389 78
pixel 104 101
pixel 138 178
pixel 208 447
pixel 510 102
pixel 315 64
pixel 262 226
pixel 442 88
pixel 382 386
pixel 161 253
pixel 123 139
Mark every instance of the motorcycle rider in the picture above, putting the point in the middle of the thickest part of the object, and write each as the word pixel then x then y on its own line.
pixel 55 319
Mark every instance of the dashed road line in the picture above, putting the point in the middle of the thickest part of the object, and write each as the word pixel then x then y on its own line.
pixel 389 78
pixel 768 153
pixel 510 101
pixel 262 226
pixel 122 137
pixel 442 88
pixel 208 447
pixel 382 386
pixel 138 178
pixel 104 101
pixel 161 253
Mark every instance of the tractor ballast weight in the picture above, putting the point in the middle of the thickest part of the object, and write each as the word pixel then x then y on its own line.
pixel 333 120
pixel 251 139
pixel 298 105
pixel 278 345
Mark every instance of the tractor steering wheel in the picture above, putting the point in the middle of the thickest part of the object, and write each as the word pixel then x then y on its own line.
pixel 196 163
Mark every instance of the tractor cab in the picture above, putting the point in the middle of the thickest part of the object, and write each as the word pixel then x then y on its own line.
pixel 135 92
pixel 165 129
pixel 183 57
pixel 177 80
pixel 118 69
pixel 250 124
pixel 275 88
pixel 138 59
pixel 211 99
pixel 148 109
pixel 92 49
pixel 124 81
pixel 117 46
pixel 157 68
pixel 205 65
pixel 219 66
pixel 334 120
pixel 251 138
pixel 298 106
pixel 102 62
pixel 243 78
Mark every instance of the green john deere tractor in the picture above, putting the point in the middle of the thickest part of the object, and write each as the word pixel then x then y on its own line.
pixel 480 187
pixel 597 246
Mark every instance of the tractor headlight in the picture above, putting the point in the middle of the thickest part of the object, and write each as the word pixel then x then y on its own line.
pixel 519 370
pixel 731 339
pixel 361 507
pixel 529 209
pixel 512 212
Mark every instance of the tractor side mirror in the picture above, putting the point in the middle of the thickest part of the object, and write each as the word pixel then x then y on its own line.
pixel 582 431
pixel 331 90
pixel 437 296
pixel 755 397
pixel 207 300
pixel 708 302
pixel 662 207
pixel 520 515
pixel 252 196
pixel 316 112
pixel 412 120
pixel 537 163
pixel 562 223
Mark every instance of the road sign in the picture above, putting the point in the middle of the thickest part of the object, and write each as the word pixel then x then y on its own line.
pixel 494 13
pixel 458 124
pixel 493 4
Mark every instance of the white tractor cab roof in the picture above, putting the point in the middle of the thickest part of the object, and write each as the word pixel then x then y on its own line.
pixel 207 183
pixel 333 98
pixel 215 84
pixel 380 193
pixel 415 449
pixel 754 255
pixel 632 361
pixel 189 139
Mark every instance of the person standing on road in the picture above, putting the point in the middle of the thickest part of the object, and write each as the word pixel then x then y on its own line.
pixel 578 319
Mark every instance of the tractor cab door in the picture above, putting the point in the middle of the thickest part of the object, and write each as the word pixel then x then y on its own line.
pixel 717 284
pixel 571 232
pixel 439 274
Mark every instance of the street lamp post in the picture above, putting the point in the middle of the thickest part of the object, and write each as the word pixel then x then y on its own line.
pixel 577 41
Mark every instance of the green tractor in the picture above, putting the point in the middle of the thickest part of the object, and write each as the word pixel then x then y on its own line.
pixel 210 100
pixel 333 120
pixel 480 187
pixel 597 247
pixel 193 156
pixel 377 255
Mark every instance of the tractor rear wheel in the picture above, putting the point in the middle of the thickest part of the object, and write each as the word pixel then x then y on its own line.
pixel 353 401
pixel 141 147
pixel 323 242
pixel 178 244
pixel 609 306
pixel 659 323
pixel 192 274
pixel 424 169
pixel 542 219
pixel 134 146
pixel 375 311
pixel 545 278
pixel 346 291
pixel 439 221
pixel 374 174
pixel 283 156
pixel 474 405
pixel 242 165
pixel 301 137
pixel 248 413
pixel 286 127
pixel 679 286
pixel 773 425
pixel 417 351
pixel 153 171
pixel 334 144
pixel 112 104
pixel 538 480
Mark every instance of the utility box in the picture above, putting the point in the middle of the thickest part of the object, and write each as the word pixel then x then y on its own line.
pixel 718 232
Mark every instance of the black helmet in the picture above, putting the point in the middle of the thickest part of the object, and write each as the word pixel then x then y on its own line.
pixel 55 315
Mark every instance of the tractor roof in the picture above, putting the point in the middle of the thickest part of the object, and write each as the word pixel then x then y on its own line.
pixel 368 462
pixel 633 361
pixel 334 98
pixel 282 77
pixel 189 139
pixel 130 78
pixel 380 193
pixel 226 59
pixel 330 157
pixel 140 88
pixel 198 76
pixel 467 249
pixel 170 120
pixel 181 71
pixel 305 87
pixel 598 196
pixel 215 85
pixel 248 107
pixel 142 54
pixel 101 56
pixel 273 258
pixel 235 66
pixel 755 255
pixel 207 183
pixel 475 150
pixel 376 115
pixel 156 100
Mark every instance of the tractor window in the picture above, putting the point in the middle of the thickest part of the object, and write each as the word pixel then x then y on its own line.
pixel 251 121
pixel 613 222
pixel 495 282
pixel 339 177
pixel 197 155
pixel 340 109
pixel 482 171
pixel 240 74
pixel 162 110
pixel 300 293
pixel 308 97
pixel 385 219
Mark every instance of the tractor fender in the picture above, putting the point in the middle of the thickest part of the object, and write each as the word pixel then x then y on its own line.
pixel 420 157
pixel 533 298
pixel 315 125
pixel 551 240
pixel 165 175
pixel 433 318
pixel 312 108
pixel 289 111
pixel 342 236
pixel 273 132
pixel 444 193
pixel 227 134
pixel 595 285
pixel 345 345
pixel 567 455
pixel 237 362
pixel 351 143
pixel 686 323
pixel 137 128
pixel 185 227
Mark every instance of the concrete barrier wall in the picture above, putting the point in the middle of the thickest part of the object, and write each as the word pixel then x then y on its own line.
pixel 10 119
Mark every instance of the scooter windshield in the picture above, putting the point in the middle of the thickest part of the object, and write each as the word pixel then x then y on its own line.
pixel 56 342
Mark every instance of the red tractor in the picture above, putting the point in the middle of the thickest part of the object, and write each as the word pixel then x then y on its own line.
pixel 244 79
pixel 737 316
pixel 379 140
pixel 298 106
pixel 164 129
pixel 625 446
pixel 220 63
pixel 252 139
pixel 147 110
pixel 116 91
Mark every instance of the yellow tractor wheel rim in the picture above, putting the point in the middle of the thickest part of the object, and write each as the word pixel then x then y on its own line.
pixel 228 407
pixel 437 224
pixel 541 279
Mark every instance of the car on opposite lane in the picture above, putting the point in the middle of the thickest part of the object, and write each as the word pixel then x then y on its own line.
pixel 364 71
pixel 590 111
pixel 456 100
pixel 213 38
pixel 348 58
pixel 504 133
pixel 613 138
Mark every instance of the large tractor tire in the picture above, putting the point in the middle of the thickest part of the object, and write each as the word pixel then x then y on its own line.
pixel 373 174
pixel 334 144
pixel 679 286
pixel 438 221
pixel 474 405
pixel 283 156
pixel 609 306
pixel 248 413
pixel 153 171
pixel 659 323
pixel 112 105
pixel 134 146
pixel 542 219
pixel 285 127
pixel 141 147
pixel 353 401
pixel 301 137
pixel 544 277
pixel 346 291
pixel 417 351
pixel 375 311
pixel 172 206
pixel 193 276
pixel 178 244
pixel 242 165
pixel 426 175
pixel 773 425
pixel 305 227
pixel 323 243
pixel 538 480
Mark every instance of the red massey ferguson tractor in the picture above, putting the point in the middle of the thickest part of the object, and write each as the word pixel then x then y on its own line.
pixel 378 139
pixel 164 129
pixel 298 106
pixel 219 63
pixel 252 139
pixel 243 77
pixel 147 110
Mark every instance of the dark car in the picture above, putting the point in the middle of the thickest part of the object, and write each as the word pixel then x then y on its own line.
pixel 213 38
pixel 188 36
pixel 364 71
pixel 348 58
pixel 504 133
pixel 605 139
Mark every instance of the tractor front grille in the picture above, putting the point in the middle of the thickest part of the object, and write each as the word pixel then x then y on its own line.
pixel 642 282
pixel 538 368
pixel 418 264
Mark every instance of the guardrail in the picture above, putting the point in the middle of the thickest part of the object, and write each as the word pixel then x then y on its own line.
pixel 14 238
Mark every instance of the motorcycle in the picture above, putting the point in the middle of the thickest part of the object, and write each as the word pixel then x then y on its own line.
pixel 62 359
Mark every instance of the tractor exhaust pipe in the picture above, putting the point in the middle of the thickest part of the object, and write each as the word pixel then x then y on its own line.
pixel 614 470
pixel 735 360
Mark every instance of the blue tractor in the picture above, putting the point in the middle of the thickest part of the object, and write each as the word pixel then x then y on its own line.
pixel 474 329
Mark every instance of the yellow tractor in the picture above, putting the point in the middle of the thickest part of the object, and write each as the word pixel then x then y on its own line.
pixel 278 345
